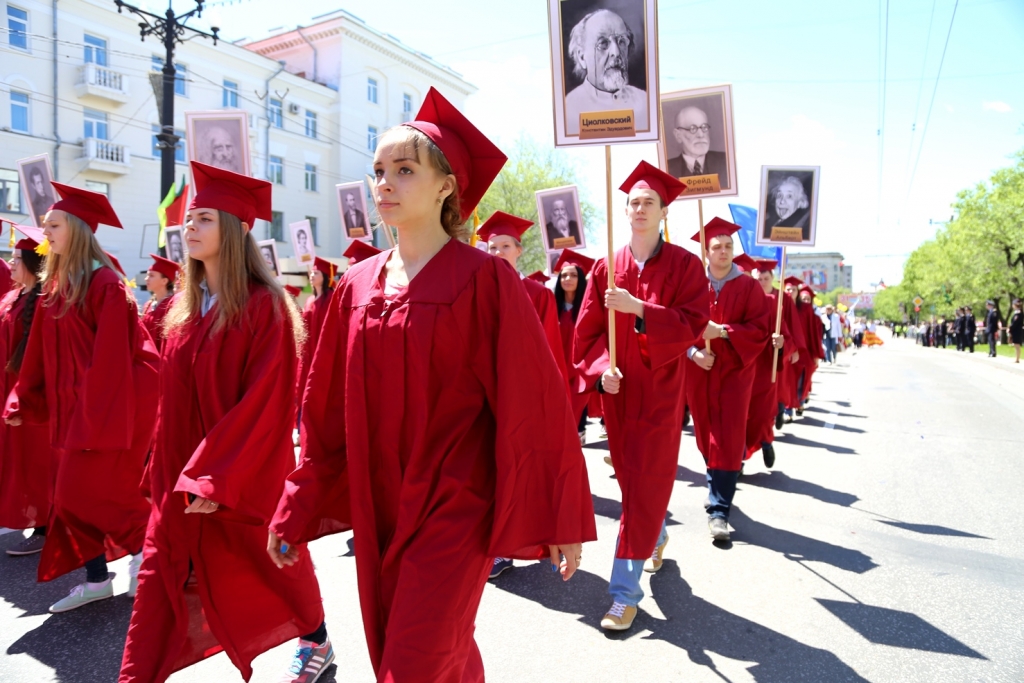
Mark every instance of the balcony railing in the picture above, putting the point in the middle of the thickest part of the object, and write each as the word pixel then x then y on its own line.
pixel 103 155
pixel 101 81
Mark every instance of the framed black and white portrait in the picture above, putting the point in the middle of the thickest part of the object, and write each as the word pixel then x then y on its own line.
pixel 355 219
pixel 39 194
pixel 788 211
pixel 174 239
pixel 268 249
pixel 699 146
pixel 604 65
pixel 559 218
pixel 219 138
pixel 302 242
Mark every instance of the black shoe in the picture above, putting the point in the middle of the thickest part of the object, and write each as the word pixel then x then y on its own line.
pixel 768 452
pixel 799 412
pixel 779 417
pixel 686 417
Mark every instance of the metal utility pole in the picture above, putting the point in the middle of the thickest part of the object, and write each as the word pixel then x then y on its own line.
pixel 170 29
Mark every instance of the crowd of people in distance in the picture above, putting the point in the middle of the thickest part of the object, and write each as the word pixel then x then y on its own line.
pixel 965 331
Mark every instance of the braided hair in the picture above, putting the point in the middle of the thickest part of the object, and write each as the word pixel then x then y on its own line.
pixel 33 262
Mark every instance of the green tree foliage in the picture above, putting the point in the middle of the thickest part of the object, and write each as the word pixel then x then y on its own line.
pixel 530 168
pixel 979 255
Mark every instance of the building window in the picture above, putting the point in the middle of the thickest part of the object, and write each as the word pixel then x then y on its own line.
pixel 17 27
pixel 311 177
pixel 406 104
pixel 371 90
pixel 277 226
pixel 96 186
pixel 95 124
pixel 95 50
pixel 371 138
pixel 180 75
pixel 19 111
pixel 10 191
pixel 275 113
pixel 230 98
pixel 310 124
pixel 179 149
pixel 312 226
pixel 276 170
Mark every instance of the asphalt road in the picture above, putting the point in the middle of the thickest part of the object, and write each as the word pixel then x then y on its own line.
pixel 886 545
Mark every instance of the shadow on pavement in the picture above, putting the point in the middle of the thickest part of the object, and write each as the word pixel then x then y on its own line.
pixel 884 626
pixel 814 422
pixel 812 409
pixel 932 529
pixel 693 625
pixel 792 440
pixel 777 480
pixel 796 547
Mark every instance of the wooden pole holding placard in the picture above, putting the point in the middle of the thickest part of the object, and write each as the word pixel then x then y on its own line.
pixel 611 256
pixel 387 229
pixel 703 255
pixel 778 314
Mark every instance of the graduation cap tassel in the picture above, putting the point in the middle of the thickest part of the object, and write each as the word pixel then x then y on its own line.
pixel 11 244
pixel 476 226
pixel 44 248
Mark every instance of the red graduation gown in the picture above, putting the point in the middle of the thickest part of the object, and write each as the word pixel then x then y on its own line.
pixel 227 411
pixel 764 402
pixel 25 454
pixel 567 329
pixel 543 300
pixel 813 350
pixel 719 398
pixel 313 314
pixel 91 373
pixel 644 420
pixel 447 441
pixel 153 314
pixel 795 342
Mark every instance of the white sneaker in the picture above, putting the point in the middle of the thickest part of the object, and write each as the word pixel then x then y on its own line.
pixel 133 574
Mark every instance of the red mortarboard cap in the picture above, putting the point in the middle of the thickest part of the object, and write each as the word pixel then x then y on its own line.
pixel 237 194
pixel 92 207
pixel 165 267
pixel 360 251
pixel 765 265
pixel 807 288
pixel 501 223
pixel 649 177
pixel 33 236
pixel 793 281
pixel 716 228
pixel 325 267
pixel 539 276
pixel 745 263
pixel 293 290
pixel 575 258
pixel 474 159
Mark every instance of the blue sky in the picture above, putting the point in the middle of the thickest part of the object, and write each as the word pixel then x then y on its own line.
pixel 806 89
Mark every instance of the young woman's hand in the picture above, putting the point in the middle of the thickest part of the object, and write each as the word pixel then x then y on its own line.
pixel 281 553
pixel 566 558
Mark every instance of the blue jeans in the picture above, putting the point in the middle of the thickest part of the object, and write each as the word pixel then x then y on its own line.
pixel 830 349
pixel 721 489
pixel 624 586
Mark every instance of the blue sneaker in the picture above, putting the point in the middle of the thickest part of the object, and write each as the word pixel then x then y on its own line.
pixel 501 564
pixel 309 662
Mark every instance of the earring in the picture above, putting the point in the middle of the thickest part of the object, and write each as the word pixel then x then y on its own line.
pixel 440 200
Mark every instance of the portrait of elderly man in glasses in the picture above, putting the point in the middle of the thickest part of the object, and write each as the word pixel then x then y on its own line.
pixel 788 207
pixel 692 132
pixel 600 46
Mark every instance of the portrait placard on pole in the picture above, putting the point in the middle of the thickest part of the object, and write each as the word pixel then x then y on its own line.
pixel 699 146
pixel 788 212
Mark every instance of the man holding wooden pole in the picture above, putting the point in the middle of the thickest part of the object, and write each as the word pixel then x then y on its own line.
pixel 718 389
pixel 660 299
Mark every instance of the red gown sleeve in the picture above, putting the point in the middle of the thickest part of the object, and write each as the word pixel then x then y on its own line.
pixel 104 419
pixel 542 494
pixel 590 354
pixel 316 500
pixel 229 459
pixel 796 341
pixel 749 336
pixel 671 330
pixel 549 320
pixel 28 397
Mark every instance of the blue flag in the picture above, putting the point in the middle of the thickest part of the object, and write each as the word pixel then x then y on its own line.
pixel 746 218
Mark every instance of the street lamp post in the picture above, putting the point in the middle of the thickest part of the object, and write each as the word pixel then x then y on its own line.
pixel 170 29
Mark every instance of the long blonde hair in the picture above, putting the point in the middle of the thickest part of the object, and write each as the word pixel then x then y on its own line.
pixel 241 264
pixel 67 276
